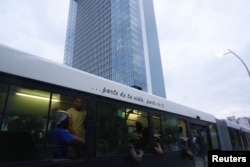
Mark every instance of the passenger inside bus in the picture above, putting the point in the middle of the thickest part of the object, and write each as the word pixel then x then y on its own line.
pixel 157 138
pixel 157 145
pixel 77 114
pixel 185 149
pixel 135 147
pixel 33 125
pixel 138 141
pixel 61 138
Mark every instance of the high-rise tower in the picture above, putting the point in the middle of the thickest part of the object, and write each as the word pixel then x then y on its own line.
pixel 117 40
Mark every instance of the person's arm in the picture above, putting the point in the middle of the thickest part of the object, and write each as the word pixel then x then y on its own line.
pixel 77 140
pixel 69 138
pixel 136 156
pixel 158 148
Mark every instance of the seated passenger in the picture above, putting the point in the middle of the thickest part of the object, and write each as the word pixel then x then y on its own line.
pixel 61 137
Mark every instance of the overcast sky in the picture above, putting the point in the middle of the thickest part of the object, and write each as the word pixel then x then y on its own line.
pixel 191 34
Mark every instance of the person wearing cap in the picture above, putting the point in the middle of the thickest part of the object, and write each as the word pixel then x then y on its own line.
pixel 61 137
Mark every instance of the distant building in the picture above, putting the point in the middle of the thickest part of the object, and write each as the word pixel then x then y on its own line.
pixel 244 121
pixel 70 34
pixel 117 40
pixel 232 118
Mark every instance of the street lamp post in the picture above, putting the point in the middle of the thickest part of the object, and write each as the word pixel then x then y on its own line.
pixel 239 59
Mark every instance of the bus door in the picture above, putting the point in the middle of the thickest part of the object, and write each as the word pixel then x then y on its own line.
pixel 199 144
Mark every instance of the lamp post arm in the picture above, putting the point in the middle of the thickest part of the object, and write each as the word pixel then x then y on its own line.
pixel 240 60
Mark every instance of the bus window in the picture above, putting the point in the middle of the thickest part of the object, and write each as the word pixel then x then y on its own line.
pixel 27 109
pixel 76 108
pixel 170 133
pixel 156 118
pixel 183 136
pixel 137 123
pixel 157 125
pixel 111 130
pixel 115 124
pixel 214 138
pixel 184 141
pixel 235 139
pixel 244 137
pixel 26 116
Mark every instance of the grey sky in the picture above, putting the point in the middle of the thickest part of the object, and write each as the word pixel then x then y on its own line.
pixel 191 33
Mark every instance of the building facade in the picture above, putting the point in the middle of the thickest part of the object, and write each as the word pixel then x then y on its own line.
pixel 117 40
pixel 70 34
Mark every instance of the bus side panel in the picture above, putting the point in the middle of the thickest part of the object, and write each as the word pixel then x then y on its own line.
pixel 224 137
pixel 173 159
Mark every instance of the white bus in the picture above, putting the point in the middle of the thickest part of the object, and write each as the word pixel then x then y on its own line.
pixel 33 89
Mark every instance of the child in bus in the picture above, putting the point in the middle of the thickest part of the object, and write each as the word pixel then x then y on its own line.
pixel 61 137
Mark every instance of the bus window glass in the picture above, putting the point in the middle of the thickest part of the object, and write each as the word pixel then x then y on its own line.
pixel 170 133
pixel 157 125
pixel 184 141
pixel 214 138
pixel 111 130
pixel 137 123
pixel 59 102
pixel 27 109
pixel 26 115
pixel 3 93
pixel 156 118
pixel 76 108
pixel 115 126
pixel 245 140
pixel 234 139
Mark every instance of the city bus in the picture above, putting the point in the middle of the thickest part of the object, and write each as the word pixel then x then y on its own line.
pixel 33 89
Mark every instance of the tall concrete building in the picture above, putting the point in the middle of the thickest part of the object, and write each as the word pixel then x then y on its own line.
pixel 117 40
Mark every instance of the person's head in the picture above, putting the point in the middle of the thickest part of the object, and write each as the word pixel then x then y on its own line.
pixel 62 119
pixel 139 127
pixel 78 104
pixel 156 139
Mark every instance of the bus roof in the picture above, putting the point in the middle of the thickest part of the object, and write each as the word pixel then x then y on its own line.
pixel 232 124
pixel 29 66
